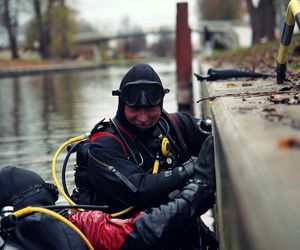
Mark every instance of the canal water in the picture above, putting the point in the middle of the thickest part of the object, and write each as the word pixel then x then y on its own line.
pixel 39 113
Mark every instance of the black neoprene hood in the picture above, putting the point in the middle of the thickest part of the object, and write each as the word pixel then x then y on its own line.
pixel 140 73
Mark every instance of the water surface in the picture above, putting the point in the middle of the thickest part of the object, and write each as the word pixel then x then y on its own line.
pixel 39 113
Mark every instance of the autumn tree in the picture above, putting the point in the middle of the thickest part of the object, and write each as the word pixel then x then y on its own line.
pixel 42 24
pixel 9 19
pixel 262 19
pixel 53 27
pixel 219 9
pixel 134 45
pixel 84 26
pixel 164 46
pixel 63 30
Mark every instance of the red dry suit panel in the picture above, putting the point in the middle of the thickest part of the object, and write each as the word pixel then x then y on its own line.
pixel 103 231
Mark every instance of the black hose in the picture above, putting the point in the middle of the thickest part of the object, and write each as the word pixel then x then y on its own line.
pixel 91 207
pixel 123 139
pixel 166 130
pixel 64 167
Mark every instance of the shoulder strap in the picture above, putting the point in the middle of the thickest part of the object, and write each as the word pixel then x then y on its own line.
pixel 100 129
pixel 99 134
pixel 113 122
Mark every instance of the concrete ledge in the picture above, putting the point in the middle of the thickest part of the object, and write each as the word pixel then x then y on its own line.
pixel 258 183
pixel 52 68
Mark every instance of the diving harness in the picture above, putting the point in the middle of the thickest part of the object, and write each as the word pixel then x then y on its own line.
pixel 165 151
pixel 204 125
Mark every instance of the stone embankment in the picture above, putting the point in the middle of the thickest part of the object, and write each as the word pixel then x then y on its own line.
pixel 257 140
pixel 27 69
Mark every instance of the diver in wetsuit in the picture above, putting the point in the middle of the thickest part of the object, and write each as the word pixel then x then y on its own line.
pixel 118 166
pixel 20 188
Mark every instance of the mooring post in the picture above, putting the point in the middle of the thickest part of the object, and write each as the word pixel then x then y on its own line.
pixel 184 60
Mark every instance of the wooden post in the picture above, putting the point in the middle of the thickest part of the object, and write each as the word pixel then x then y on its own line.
pixel 184 60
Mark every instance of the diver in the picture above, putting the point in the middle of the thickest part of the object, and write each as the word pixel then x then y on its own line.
pixel 142 156
pixel 20 188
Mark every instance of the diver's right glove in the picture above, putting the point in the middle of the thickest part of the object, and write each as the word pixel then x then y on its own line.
pixel 205 169
pixel 200 197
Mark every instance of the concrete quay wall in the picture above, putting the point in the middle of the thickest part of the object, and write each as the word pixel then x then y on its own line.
pixel 256 126
pixel 41 69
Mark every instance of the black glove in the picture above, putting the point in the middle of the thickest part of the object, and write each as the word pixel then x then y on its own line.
pixel 199 195
pixel 189 166
pixel 205 169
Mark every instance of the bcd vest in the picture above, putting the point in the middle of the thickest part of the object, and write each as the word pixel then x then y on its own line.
pixel 142 152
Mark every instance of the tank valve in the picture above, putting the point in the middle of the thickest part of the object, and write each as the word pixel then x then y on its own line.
pixel 8 220
pixel 205 125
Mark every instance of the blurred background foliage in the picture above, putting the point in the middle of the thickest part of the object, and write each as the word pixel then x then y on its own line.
pixel 50 27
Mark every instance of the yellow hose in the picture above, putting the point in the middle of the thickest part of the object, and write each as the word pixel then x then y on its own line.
pixel 55 179
pixel 122 212
pixel 70 141
pixel 60 189
pixel 29 210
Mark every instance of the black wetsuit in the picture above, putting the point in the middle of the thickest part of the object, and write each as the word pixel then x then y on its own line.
pixel 114 178
pixel 115 167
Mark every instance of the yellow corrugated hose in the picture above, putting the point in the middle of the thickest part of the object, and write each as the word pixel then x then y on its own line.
pixel 70 141
pixel 60 189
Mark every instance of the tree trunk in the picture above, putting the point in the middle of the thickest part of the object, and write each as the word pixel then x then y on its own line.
pixel 11 27
pixel 47 28
pixel 262 20
pixel 270 18
pixel 65 49
pixel 41 36
pixel 43 28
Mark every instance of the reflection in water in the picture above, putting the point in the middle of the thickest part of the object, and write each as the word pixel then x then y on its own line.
pixel 39 113
pixel 16 105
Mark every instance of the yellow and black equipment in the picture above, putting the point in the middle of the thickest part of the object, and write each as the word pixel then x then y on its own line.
pixel 292 15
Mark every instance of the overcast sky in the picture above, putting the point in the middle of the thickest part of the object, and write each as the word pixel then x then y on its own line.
pixel 108 14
